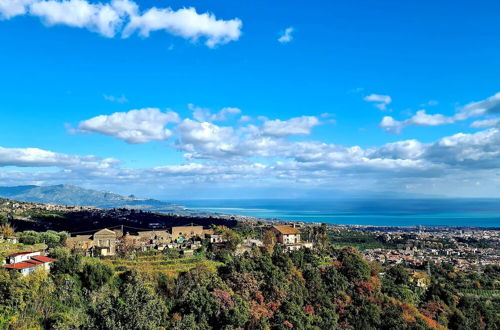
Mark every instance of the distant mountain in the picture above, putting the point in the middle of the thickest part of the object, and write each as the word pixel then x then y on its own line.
pixel 66 194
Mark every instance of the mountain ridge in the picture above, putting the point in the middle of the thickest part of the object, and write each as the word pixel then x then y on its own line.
pixel 67 194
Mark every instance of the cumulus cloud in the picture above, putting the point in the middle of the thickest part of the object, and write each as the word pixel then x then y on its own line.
pixel 381 101
pixel 489 106
pixel 134 126
pixel 421 118
pixel 11 8
pixel 187 23
pixel 125 17
pixel 35 157
pixel 486 123
pixel 101 18
pixel 204 114
pixel 295 126
pixel 286 36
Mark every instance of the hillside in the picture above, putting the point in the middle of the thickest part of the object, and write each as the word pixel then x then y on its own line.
pixel 66 194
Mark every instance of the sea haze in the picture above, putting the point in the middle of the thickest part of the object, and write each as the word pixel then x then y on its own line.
pixel 379 212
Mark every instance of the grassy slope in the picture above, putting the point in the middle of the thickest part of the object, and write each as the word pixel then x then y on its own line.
pixel 162 264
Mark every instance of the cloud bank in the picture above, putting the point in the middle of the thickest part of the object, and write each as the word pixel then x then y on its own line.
pixel 220 149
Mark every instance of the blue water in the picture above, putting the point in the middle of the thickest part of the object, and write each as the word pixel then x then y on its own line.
pixel 380 212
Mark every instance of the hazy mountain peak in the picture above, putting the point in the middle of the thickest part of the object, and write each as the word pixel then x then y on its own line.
pixel 67 194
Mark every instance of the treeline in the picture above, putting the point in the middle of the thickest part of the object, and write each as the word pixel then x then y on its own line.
pixel 265 289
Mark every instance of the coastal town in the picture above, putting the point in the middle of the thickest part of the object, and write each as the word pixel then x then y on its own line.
pixel 404 263
pixel 464 248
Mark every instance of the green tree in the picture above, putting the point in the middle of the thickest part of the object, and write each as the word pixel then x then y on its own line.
pixel 95 274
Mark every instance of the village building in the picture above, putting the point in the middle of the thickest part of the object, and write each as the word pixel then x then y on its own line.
pixel 184 233
pixel 80 242
pixel 101 243
pixel 27 262
pixel 289 237
pixel 153 239
pixel 105 242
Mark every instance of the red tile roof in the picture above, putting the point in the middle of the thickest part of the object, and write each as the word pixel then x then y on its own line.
pixel 19 265
pixel 42 258
pixel 34 262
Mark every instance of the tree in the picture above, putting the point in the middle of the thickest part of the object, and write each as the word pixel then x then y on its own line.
pixel 230 237
pixel 66 265
pixel 95 274
pixel 353 266
pixel 3 219
pixel 269 239
pixel 6 230
pixel 133 306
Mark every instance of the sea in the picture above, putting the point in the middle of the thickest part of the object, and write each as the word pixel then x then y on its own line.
pixel 368 212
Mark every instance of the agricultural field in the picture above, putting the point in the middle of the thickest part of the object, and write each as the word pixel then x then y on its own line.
pixel 161 264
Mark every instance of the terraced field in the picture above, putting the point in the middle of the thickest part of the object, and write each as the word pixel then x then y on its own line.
pixel 161 264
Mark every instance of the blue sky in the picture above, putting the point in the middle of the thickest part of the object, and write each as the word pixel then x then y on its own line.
pixel 253 99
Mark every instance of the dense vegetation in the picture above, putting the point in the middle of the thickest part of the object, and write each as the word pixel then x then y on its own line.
pixel 328 288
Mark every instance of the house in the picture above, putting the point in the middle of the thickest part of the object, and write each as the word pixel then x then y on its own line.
pixel 105 242
pixel 154 239
pixel 215 238
pixel 80 242
pixel 184 233
pixel 27 262
pixel 21 256
pixel 288 236
pixel 102 242
pixel 12 240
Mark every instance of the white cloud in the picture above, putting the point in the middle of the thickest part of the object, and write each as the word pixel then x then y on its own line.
pixel 381 101
pixel 245 119
pixel 486 123
pixel 204 114
pixel 295 126
pixel 205 139
pixel 118 99
pixel 134 126
pixel 489 106
pixel 11 8
pixel 35 157
pixel 421 118
pixel 286 36
pixel 187 23
pixel 125 17
pixel 79 13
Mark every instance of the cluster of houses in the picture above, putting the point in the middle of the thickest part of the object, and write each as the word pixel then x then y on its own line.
pixel 27 262
pixel 105 242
